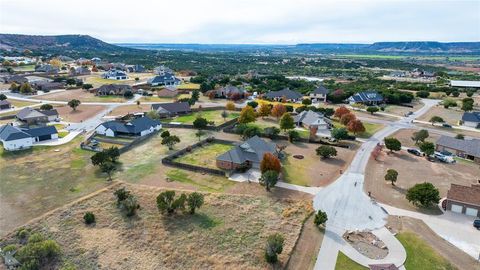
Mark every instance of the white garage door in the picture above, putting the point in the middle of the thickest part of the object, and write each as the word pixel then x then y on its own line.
pixel 457 208
pixel 471 212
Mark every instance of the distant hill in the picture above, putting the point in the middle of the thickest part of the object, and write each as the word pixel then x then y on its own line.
pixel 59 44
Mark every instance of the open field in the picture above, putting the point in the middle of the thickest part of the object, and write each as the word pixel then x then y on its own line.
pixel 450 116
pixel 402 110
pixel 215 116
pixel 37 180
pixel 80 94
pixel 205 156
pixel 188 86
pixel 82 113
pixel 123 110
pixel 20 103
pixel 436 246
pixel 312 170
pixel 227 231
pixel 412 170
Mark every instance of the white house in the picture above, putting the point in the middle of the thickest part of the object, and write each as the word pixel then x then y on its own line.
pixel 14 138
pixel 138 127
pixel 471 119
pixel 114 74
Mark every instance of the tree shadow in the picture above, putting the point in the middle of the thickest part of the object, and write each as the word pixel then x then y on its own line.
pixel 333 161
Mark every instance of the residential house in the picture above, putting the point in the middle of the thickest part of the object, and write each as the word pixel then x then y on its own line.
pixel 167 79
pixel 311 119
pixel 49 69
pixel 471 119
pixel 289 95
pixel 468 149
pixel 162 70
pixel 168 92
pixel 319 94
pixel 247 154
pixel 47 86
pixel 113 89
pixel 15 138
pixel 79 71
pixel 5 104
pixel 15 79
pixel 83 61
pixel 171 109
pixel 114 74
pixel 367 98
pixel 137 127
pixel 119 66
pixel 463 200
pixel 398 74
pixel 32 116
pixel 136 68
pixel 229 91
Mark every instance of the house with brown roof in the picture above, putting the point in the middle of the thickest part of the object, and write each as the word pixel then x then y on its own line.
pixel 167 92
pixel 464 200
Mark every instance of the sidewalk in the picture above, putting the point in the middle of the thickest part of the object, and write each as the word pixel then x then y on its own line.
pixel 60 141
pixel 453 126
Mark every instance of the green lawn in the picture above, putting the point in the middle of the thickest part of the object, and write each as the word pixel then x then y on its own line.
pixel 205 156
pixel 62 134
pixel 209 183
pixel 214 116
pixel 345 263
pixel 24 68
pixel 420 255
pixel 263 123
pixel 295 172
pixel 370 128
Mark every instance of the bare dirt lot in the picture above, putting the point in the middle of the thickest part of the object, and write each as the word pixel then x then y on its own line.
pixel 82 113
pixel 412 170
pixel 405 135
pixel 123 110
pixel 450 116
pixel 227 232
pixel 455 256
pixel 402 110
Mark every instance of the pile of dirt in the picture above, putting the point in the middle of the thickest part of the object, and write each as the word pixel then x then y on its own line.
pixel 367 244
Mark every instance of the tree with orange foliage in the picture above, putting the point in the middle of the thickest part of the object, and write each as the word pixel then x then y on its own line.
pixel 356 126
pixel 377 151
pixel 270 163
pixel 339 112
pixel 278 110
pixel 94 69
pixel 264 109
pixel 211 95
pixel 230 106
pixel 347 118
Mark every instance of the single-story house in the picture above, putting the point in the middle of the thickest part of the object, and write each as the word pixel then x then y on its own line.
pixel 113 89
pixel 47 69
pixel 167 92
pixel 464 200
pixel 165 79
pixel 114 74
pixel 366 98
pixel 399 74
pixel 248 154
pixel 289 95
pixel 137 127
pixel 471 119
pixel 5 104
pixel 31 116
pixel 47 86
pixel 78 71
pixel 311 119
pixel 228 91
pixel 171 109
pixel 15 138
pixel 319 94
pixel 468 149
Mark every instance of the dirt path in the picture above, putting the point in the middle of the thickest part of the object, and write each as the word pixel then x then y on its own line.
pixel 457 257
pixel 308 244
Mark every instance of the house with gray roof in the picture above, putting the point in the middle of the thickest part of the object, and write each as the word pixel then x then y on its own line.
pixel 113 89
pixel 171 109
pixel 78 71
pixel 370 97
pixel 15 79
pixel 5 105
pixel 247 154
pixel 34 116
pixel 229 91
pixel 468 149
pixel 49 69
pixel 289 95
pixel 137 127
pixel 114 74
pixel 471 119
pixel 16 138
pixel 311 119
pixel 319 94
pixel 167 79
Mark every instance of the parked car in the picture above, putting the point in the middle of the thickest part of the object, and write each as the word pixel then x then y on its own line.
pixel 443 158
pixel 414 151
pixel 408 113
pixel 447 126
pixel 476 224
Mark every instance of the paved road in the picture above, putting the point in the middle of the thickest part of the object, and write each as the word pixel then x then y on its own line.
pixel 349 208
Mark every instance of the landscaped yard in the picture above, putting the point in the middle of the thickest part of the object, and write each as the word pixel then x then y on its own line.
pixel 345 263
pixel 228 231
pixel 420 255
pixel 206 155
pixel 215 116
pixel 96 79
pixel 370 128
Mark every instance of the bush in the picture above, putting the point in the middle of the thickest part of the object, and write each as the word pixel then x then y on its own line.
pixel 37 253
pixel 274 247
pixel 423 94
pixel 326 151
pixel 165 133
pixel 35 237
pixel 122 194
pixel 89 218
pixel 293 135
pixel 320 218
pixel 130 205
pixel 23 234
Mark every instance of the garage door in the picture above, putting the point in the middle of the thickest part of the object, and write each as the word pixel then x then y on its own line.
pixel 471 212
pixel 457 208
pixel 44 137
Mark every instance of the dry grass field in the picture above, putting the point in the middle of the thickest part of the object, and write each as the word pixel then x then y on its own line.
pixel 227 232
pixel 82 113
pixel 123 110
pixel 450 116
pixel 405 135
pixel 80 94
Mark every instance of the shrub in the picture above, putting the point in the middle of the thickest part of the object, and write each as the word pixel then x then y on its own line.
pixel 23 234
pixel 35 237
pixel 165 133
pixel 89 218
pixel 293 135
pixel 423 94
pixel 122 194
pixel 194 201
pixel 130 205
pixel 326 151
pixel 320 218
pixel 9 248
pixel 274 247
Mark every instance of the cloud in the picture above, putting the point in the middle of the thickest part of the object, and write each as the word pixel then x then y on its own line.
pixel 246 21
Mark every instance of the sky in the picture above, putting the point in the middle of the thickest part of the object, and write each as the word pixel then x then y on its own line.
pixel 246 21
